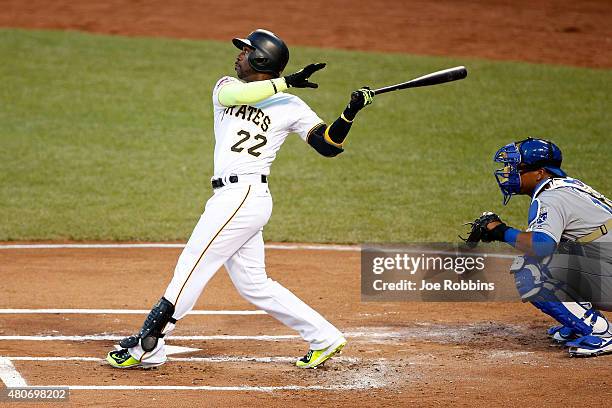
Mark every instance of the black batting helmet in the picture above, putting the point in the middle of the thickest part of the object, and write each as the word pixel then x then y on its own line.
pixel 270 54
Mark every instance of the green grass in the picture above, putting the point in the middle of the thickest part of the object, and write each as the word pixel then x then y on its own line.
pixel 110 138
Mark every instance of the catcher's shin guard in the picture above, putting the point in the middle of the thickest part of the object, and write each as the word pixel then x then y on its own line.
pixel 153 327
pixel 556 299
pixel 579 317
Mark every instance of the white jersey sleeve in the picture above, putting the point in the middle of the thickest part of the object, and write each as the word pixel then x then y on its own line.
pixel 305 118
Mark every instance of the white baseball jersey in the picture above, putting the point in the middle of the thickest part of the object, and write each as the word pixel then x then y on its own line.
pixel 248 136
pixel 567 209
pixel 230 232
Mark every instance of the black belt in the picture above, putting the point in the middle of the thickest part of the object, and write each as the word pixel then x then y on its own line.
pixel 217 183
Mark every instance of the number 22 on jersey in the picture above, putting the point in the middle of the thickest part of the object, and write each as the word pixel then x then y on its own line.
pixel 244 137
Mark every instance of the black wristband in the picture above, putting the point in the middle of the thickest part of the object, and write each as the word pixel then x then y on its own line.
pixel 497 233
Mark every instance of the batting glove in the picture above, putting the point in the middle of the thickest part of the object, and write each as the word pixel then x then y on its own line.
pixel 359 99
pixel 300 78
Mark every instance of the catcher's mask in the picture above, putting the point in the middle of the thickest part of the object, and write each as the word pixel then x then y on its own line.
pixel 526 155
pixel 270 54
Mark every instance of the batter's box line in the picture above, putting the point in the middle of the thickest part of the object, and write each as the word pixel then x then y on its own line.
pixel 246 388
pixel 214 359
pixel 112 337
pixel 11 377
pixel 9 374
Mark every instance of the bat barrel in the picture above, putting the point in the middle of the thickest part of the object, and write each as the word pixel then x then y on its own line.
pixel 435 78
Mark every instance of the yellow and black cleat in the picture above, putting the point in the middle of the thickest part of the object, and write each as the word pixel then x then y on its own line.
pixel 315 358
pixel 122 359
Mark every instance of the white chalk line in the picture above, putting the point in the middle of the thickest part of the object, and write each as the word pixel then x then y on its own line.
pixel 246 388
pixel 112 337
pixel 309 247
pixel 117 337
pixel 126 311
pixel 216 359
pixel 11 377
pixel 312 247
pixel 9 374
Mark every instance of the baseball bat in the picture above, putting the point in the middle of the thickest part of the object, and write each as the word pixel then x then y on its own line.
pixel 435 78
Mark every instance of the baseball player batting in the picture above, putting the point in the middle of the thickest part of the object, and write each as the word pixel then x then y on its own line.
pixel 567 269
pixel 252 118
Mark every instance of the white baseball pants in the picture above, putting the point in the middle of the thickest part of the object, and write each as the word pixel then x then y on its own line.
pixel 229 233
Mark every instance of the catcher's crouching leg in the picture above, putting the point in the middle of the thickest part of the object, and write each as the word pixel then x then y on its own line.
pixel 556 299
pixel 156 325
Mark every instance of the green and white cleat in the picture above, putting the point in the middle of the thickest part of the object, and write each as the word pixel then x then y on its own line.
pixel 315 358
pixel 123 359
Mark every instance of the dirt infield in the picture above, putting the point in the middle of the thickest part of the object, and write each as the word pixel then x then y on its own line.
pixel 551 31
pixel 399 354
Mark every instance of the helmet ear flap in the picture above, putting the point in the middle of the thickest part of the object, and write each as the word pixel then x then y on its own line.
pixel 260 61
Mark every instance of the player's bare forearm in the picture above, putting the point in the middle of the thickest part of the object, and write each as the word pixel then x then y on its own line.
pixel 535 243
pixel 529 243
pixel 489 227
pixel 524 243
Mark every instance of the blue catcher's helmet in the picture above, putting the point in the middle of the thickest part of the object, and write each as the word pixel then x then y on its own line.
pixel 526 155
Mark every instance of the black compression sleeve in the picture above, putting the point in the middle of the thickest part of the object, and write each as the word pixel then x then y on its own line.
pixel 316 139
pixel 338 131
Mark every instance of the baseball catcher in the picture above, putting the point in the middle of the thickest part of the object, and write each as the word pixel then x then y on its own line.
pixel 566 271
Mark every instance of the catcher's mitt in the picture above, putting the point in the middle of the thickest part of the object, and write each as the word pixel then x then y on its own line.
pixel 479 231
